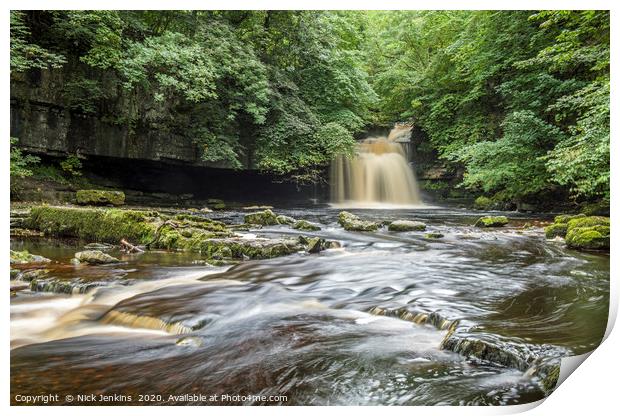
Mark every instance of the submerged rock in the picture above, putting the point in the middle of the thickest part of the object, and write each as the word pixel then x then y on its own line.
pixel 24 257
pixel 266 217
pixel 95 257
pixel 98 246
pixel 305 226
pixel 588 233
pixel 352 222
pixel 490 221
pixel 406 225
pixel 99 197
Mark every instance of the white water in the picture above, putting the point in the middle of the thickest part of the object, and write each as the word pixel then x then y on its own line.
pixel 378 176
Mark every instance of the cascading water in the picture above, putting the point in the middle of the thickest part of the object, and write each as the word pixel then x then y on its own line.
pixel 377 175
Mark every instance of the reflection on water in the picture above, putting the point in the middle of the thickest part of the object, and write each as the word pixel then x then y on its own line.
pixel 301 325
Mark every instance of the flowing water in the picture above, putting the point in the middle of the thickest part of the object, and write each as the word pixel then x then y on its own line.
pixel 378 175
pixel 316 328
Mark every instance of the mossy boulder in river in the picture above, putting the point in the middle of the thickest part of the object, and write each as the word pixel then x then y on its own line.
pixel 588 233
pixel 406 225
pixel 23 257
pixel 556 230
pixel 285 220
pixel 95 224
pixel 305 226
pixel 489 221
pixel 95 257
pixel 266 217
pixel 352 222
pixel 98 197
pixel 565 218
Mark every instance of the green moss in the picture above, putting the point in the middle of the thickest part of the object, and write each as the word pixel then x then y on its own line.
pixel 266 217
pixel 489 221
pixel 95 224
pixel 434 235
pixel 305 226
pixel 98 197
pixel 483 203
pixel 23 257
pixel 564 219
pixel 587 222
pixel 556 230
pixel 352 222
pixel 589 238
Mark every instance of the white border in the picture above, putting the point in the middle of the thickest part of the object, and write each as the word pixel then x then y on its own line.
pixel 592 388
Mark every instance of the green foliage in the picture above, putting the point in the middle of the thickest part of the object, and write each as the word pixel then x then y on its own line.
pixel 519 99
pixel 72 165
pixel 26 55
pixel 83 95
pixel 21 164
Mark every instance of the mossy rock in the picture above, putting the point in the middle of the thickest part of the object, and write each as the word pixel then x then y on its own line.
pixel 589 238
pixel 285 220
pixel 556 230
pixel 489 221
pixel 587 222
pixel 406 225
pixel 434 235
pixel 483 203
pixel 98 197
pixel 95 224
pixel 266 217
pixel 352 222
pixel 24 257
pixel 305 226
pixel 564 219
pixel 95 257
pixel 216 204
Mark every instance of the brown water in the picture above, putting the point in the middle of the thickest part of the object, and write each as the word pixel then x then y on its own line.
pixel 378 174
pixel 302 326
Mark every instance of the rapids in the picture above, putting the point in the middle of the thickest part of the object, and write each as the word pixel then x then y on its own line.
pixel 362 324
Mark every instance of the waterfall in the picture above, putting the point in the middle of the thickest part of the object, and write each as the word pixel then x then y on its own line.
pixel 378 174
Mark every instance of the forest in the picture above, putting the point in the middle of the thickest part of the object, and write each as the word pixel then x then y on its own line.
pixel 518 101
pixel 307 207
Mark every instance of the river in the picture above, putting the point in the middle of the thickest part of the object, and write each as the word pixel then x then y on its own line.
pixel 301 327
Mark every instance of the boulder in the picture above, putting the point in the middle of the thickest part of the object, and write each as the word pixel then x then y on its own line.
pixel 95 257
pixel 266 217
pixel 564 219
pixel 556 230
pixel 352 222
pixel 588 233
pixel 99 197
pixel 305 226
pixel 434 235
pixel 490 221
pixel 315 245
pixel 23 257
pixel 285 220
pixel 406 225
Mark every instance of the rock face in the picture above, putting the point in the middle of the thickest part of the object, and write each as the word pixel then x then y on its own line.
pixel 489 221
pixel 23 257
pixel 95 257
pixel 97 197
pixel 352 222
pixel 305 226
pixel 405 225
pixel 266 217
pixel 588 233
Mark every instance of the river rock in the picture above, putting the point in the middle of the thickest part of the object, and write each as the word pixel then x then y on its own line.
pixel 556 230
pixel 406 225
pixel 588 233
pixel 490 221
pixel 99 197
pixel 564 219
pixel 266 217
pixel 315 244
pixel 285 220
pixel 216 204
pixel 23 257
pixel 352 222
pixel 434 235
pixel 95 257
pixel 305 226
